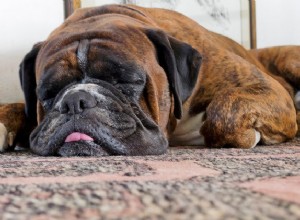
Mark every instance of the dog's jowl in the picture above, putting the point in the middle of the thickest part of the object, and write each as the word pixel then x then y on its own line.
pixel 127 80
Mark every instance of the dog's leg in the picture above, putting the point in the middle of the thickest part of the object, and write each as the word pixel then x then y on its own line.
pixel 282 61
pixel 242 117
pixel 12 119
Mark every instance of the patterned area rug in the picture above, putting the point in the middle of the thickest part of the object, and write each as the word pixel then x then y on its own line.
pixel 185 183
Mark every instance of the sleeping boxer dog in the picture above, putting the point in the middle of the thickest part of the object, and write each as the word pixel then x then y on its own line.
pixel 127 80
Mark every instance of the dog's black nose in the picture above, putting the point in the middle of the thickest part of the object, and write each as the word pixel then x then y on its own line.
pixel 75 103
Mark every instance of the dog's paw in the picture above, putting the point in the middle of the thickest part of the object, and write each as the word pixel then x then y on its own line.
pixel 3 138
pixel 6 138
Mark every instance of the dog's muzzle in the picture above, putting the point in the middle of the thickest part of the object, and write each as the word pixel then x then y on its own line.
pixel 91 119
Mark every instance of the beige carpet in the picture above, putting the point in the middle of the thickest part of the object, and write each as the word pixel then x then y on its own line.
pixel 186 183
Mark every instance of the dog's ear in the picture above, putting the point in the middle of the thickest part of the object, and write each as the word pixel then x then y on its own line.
pixel 181 63
pixel 28 83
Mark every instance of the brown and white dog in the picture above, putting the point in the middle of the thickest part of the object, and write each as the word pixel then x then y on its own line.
pixel 127 80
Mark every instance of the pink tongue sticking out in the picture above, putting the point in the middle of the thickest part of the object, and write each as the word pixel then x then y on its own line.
pixel 76 136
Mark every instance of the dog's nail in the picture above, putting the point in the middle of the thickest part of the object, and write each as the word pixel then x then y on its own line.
pixel 10 138
pixel 3 138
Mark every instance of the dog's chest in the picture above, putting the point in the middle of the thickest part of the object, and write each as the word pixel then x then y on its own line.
pixel 187 131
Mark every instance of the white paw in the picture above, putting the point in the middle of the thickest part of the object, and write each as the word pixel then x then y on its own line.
pixel 257 138
pixel 297 100
pixel 3 138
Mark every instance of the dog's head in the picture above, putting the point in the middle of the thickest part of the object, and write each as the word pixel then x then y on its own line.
pixel 105 84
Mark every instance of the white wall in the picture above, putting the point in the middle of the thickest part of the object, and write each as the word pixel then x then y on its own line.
pixel 278 22
pixel 23 23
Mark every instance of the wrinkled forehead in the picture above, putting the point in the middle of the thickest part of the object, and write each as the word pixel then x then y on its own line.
pixel 113 40
pixel 90 58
